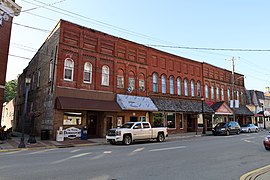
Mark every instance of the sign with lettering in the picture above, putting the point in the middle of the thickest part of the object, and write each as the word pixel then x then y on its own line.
pixel 72 132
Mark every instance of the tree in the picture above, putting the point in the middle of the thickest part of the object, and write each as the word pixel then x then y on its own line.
pixel 10 90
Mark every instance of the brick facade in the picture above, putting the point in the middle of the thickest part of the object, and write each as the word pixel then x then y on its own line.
pixel 78 46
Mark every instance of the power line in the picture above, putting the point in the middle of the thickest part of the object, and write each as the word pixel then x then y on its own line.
pixel 208 49
pixel 30 27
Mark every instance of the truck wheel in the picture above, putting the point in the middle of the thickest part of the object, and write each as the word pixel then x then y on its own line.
pixel 127 140
pixel 160 137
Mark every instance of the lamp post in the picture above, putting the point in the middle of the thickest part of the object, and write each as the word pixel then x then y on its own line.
pixel 202 99
pixel 27 86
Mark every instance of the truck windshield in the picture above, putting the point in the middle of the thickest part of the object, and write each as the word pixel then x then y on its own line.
pixel 127 125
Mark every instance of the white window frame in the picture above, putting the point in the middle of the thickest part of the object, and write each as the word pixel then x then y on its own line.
pixel 131 82
pixel 120 81
pixel 206 91
pixel 212 92
pixel 155 82
pixel 163 84
pixel 186 87
pixel 222 94
pixel 105 77
pixel 198 88
pixel 87 70
pixel 69 67
pixel 141 85
pixel 178 86
pixel 217 93
pixel 192 87
pixel 171 85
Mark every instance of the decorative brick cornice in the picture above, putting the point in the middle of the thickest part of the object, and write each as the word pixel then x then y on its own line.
pixel 9 7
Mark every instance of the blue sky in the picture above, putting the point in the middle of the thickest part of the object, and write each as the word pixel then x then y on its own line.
pixel 241 24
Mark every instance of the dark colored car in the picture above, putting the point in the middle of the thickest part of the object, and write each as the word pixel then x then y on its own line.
pixel 226 128
pixel 266 142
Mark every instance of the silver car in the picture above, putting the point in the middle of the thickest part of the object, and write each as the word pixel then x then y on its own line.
pixel 249 128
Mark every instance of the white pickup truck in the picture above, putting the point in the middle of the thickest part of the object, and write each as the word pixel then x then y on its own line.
pixel 133 131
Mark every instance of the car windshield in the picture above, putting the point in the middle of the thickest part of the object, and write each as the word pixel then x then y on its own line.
pixel 245 125
pixel 221 124
pixel 127 125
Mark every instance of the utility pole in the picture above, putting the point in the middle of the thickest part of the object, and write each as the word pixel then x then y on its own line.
pixel 233 101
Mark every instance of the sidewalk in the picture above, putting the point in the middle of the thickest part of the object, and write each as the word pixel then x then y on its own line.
pixel 12 144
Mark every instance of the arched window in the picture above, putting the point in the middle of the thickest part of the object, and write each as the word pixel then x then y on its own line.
pixel 237 95
pixel 171 85
pixel 141 82
pixel 131 80
pixel 186 87
pixel 155 82
pixel 68 69
pixel 217 93
pixel 87 75
pixel 206 91
pixel 212 92
pixel 229 95
pixel 105 81
pixel 199 88
pixel 178 86
pixel 222 94
pixel 120 79
pixel 163 83
pixel 192 87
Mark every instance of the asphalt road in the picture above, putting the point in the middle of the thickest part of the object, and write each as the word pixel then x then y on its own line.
pixel 202 158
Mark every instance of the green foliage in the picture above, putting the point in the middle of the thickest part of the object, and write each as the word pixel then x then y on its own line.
pixel 10 90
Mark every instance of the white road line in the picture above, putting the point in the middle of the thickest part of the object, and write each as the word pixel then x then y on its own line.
pixel 75 156
pixel 12 152
pixel 135 151
pixel 37 152
pixel 75 150
pixel 107 152
pixel 170 148
pixel 248 138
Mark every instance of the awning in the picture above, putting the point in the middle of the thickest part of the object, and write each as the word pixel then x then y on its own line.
pixel 221 108
pixel 243 110
pixel 127 102
pixel 70 103
pixel 178 105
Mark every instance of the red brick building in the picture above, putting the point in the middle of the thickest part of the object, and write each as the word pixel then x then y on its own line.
pixel 89 78
pixel 8 9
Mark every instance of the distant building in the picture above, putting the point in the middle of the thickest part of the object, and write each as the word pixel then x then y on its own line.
pixel 8 9
pixel 8 114
pixel 84 77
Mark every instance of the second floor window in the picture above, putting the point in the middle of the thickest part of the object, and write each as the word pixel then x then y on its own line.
pixel 68 69
pixel 222 94
pixel 178 86
pixel 217 93
pixel 163 84
pixel 87 73
pixel 141 85
pixel 105 76
pixel 192 88
pixel 131 82
pixel 186 87
pixel 155 82
pixel 206 91
pixel 120 81
pixel 229 94
pixel 199 88
pixel 212 93
pixel 171 85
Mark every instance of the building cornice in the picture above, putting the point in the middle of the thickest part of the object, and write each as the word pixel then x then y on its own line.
pixel 9 7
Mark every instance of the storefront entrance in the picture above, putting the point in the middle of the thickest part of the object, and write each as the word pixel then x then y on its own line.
pixel 92 125
pixel 191 122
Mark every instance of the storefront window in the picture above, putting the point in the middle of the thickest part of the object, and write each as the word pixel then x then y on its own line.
pixel 181 121
pixel 170 117
pixel 71 118
pixel 158 119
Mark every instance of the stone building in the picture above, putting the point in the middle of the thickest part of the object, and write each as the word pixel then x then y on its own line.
pixel 83 77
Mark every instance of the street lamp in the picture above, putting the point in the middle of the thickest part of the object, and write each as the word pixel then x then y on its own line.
pixel 202 99
pixel 27 86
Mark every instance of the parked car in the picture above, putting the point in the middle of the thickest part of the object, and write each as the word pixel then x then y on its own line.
pixel 136 131
pixel 266 142
pixel 226 128
pixel 249 128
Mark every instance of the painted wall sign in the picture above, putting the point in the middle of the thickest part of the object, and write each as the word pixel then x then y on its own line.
pixel 72 132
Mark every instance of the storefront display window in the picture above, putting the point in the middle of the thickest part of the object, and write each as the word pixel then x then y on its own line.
pixel 71 118
pixel 158 119
pixel 170 117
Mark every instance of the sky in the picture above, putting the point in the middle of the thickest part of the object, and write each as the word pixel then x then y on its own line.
pixel 206 31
